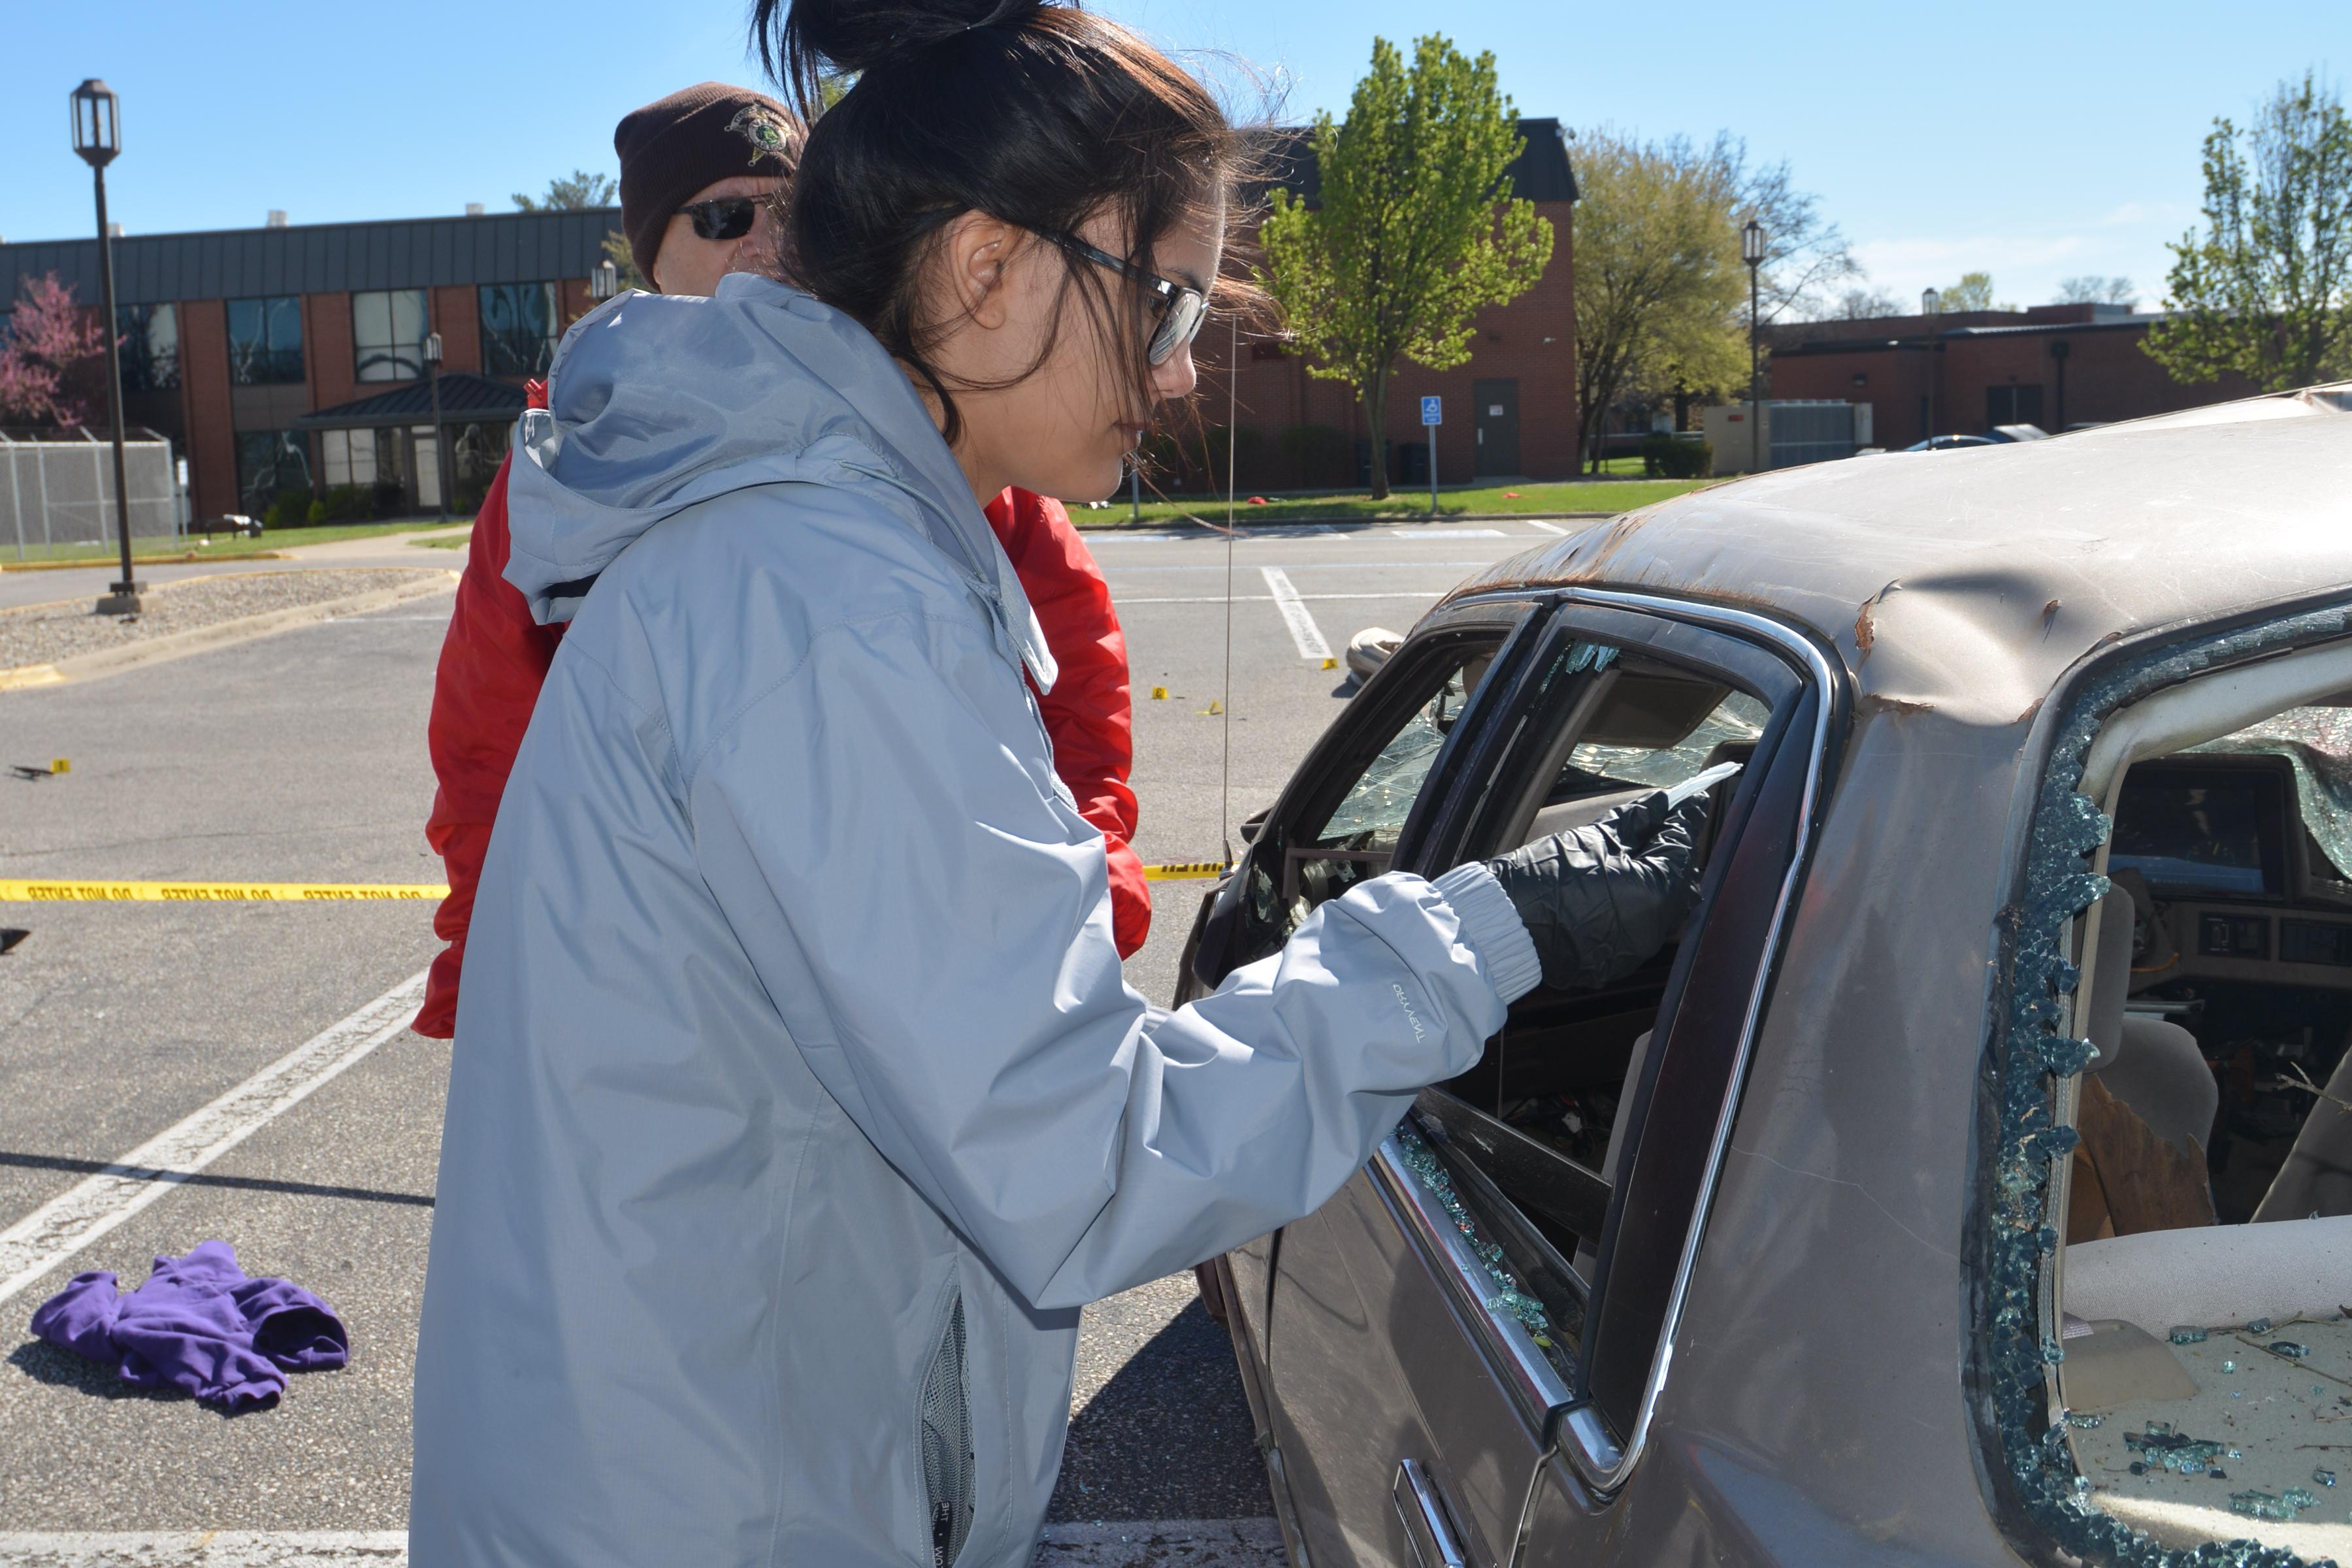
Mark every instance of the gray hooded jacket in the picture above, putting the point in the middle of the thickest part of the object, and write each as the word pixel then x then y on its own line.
pixel 798 1102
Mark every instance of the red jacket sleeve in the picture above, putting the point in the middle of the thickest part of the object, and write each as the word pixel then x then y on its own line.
pixel 1087 714
pixel 493 662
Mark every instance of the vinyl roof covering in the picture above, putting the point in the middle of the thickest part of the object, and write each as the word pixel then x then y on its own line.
pixel 315 258
pixel 1969 581
pixel 465 399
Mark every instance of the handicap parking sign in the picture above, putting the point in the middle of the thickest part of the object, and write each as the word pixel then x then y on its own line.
pixel 1432 412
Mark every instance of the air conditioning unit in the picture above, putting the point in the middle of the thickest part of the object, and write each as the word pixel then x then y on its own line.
pixel 277 217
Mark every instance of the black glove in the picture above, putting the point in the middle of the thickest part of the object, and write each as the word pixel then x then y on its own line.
pixel 1599 900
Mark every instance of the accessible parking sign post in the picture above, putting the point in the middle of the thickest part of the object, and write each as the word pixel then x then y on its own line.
pixel 1433 415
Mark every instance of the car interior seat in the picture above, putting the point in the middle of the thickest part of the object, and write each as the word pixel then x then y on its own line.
pixel 1588 1248
pixel 2152 1066
pixel 2214 1275
pixel 2318 1176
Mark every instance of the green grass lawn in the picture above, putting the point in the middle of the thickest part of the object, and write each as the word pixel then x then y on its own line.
pixel 223 545
pixel 1596 495
pixel 1531 500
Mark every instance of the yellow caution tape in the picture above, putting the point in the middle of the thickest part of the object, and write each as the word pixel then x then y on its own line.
pixel 1186 871
pixel 21 891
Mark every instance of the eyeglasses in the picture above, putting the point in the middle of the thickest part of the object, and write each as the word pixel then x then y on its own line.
pixel 1182 309
pixel 722 217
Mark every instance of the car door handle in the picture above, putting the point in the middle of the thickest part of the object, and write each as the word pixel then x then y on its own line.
pixel 1435 1544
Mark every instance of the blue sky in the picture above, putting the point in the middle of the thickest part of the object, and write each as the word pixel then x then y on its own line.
pixel 2032 141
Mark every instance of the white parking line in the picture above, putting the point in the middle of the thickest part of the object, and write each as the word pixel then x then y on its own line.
pixel 35 1244
pixel 1124 600
pixel 1445 533
pixel 1117 1544
pixel 1547 527
pixel 1122 571
pixel 1294 614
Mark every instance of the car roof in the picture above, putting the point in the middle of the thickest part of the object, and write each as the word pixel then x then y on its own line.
pixel 1972 583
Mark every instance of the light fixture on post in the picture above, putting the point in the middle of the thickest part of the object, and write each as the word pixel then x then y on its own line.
pixel 97 139
pixel 1929 303
pixel 1751 251
pixel 604 281
pixel 440 446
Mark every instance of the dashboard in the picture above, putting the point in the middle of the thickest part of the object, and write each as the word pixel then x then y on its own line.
pixel 2239 889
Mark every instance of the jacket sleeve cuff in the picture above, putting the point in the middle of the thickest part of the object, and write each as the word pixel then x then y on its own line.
pixel 1492 927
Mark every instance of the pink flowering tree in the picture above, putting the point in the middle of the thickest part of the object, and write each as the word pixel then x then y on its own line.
pixel 46 335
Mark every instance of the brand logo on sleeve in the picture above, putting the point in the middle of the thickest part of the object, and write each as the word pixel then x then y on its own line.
pixel 1411 1017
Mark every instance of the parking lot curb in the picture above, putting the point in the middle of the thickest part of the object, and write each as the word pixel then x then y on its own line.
pixel 223 634
pixel 187 558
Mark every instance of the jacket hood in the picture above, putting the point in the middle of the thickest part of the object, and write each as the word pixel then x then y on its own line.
pixel 660 401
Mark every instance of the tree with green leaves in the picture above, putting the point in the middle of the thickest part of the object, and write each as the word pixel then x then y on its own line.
pixel 2266 290
pixel 570 194
pixel 1661 293
pixel 1415 230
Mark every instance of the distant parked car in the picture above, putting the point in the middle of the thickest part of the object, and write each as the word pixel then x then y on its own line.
pixel 1898 1212
pixel 1950 442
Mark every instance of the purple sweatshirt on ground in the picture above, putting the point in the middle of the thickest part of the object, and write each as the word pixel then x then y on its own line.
pixel 198 1325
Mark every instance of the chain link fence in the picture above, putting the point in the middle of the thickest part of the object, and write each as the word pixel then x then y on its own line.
pixel 60 492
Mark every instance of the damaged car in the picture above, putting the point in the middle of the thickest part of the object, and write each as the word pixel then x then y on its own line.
pixel 1970 1181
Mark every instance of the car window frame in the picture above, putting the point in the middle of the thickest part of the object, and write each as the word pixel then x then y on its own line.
pixel 1604 1433
pixel 1354 740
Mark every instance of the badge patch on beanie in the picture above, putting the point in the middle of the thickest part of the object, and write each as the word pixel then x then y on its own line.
pixel 767 133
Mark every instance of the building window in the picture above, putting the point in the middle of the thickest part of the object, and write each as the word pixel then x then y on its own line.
pixel 519 328
pixel 150 349
pixel 2012 405
pixel 265 341
pixel 388 330
pixel 358 456
pixel 269 461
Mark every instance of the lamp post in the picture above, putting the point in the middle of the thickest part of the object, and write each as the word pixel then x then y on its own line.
pixel 97 138
pixel 440 447
pixel 604 281
pixel 1929 303
pixel 1751 251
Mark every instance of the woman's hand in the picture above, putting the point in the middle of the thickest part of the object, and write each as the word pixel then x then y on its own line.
pixel 1599 900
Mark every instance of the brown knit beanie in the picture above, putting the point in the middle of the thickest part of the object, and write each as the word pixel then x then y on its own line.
pixel 674 146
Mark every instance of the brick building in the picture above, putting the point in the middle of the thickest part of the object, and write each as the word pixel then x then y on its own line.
pixel 1510 412
pixel 2056 366
pixel 293 356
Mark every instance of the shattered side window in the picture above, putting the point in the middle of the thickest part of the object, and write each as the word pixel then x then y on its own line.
pixel 1359 839
pixel 2141 1420
pixel 1373 816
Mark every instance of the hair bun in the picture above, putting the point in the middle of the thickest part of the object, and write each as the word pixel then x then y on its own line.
pixel 806 40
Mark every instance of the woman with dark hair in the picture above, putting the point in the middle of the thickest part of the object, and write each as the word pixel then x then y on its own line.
pixel 797 1103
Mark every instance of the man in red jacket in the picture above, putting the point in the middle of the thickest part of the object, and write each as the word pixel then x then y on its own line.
pixel 698 170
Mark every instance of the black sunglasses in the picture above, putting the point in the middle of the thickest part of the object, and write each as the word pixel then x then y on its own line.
pixel 1182 309
pixel 722 217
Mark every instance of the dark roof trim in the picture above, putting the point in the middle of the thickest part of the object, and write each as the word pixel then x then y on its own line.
pixel 465 399
pixel 1542 173
pixel 1812 346
pixel 319 258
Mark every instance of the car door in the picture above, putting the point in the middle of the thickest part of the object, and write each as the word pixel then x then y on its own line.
pixel 1341 819
pixel 1502 1278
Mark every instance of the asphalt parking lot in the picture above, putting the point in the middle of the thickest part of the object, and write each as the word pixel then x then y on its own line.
pixel 300 758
